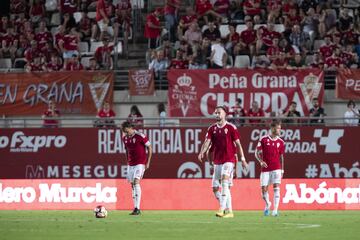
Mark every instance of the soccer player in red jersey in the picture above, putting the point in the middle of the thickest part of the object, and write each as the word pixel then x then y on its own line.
pixel 136 144
pixel 225 140
pixel 270 154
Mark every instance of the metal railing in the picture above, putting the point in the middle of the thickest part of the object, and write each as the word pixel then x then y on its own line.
pixel 85 122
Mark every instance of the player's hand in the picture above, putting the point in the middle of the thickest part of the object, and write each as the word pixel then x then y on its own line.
pixel 244 164
pixel 263 164
pixel 200 157
pixel 147 166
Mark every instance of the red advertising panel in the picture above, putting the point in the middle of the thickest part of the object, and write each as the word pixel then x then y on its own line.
pixel 310 152
pixel 73 92
pixel 168 194
pixel 348 84
pixel 198 92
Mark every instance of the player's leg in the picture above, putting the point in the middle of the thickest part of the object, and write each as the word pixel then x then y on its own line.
pixel 130 178
pixel 276 180
pixel 216 181
pixel 138 174
pixel 264 182
pixel 226 171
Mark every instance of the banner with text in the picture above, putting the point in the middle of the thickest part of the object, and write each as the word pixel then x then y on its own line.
pixel 310 152
pixel 141 82
pixel 348 84
pixel 160 194
pixel 198 92
pixel 73 92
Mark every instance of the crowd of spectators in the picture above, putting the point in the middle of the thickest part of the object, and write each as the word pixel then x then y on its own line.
pixel 290 34
pixel 49 35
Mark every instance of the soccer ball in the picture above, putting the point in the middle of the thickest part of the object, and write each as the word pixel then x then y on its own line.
pixel 100 212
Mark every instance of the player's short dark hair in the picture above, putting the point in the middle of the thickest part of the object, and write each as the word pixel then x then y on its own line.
pixel 275 123
pixel 126 124
pixel 222 107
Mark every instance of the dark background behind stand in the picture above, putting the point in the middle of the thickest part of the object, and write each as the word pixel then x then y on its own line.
pixel 4 7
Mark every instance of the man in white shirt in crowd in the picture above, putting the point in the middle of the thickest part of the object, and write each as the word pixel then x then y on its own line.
pixel 218 56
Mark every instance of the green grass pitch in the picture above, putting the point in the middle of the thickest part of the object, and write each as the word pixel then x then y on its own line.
pixel 185 225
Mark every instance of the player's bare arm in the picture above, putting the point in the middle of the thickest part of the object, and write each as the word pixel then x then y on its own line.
pixel 240 153
pixel 149 155
pixel 259 159
pixel 203 150
pixel 282 164
pixel 209 157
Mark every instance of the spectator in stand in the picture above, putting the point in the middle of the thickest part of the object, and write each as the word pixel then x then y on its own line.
pixel 35 65
pixel 93 66
pixel 345 20
pixel 231 40
pixel 204 9
pixel 4 25
pixel 22 46
pixel 37 11
pixel 59 36
pixel 193 34
pixel 256 111
pixel 351 116
pixel 311 21
pixel 68 21
pixel 288 49
pixel 85 26
pixel 237 114
pixel 280 62
pixel 222 7
pixel 159 63
pixel 123 20
pixel 265 36
pixel 170 13
pixel 166 46
pixel 103 55
pixel 9 44
pixel 135 117
pixel 327 20
pixel 186 21
pixel 31 52
pixel 212 33
pixel 300 39
pixel 347 55
pixel 260 61
pixel 247 41
pixel 317 61
pixel 162 114
pixel 69 45
pixel 316 112
pixel 179 62
pixel 273 52
pixel 105 116
pixel 43 36
pixel 334 62
pixel 327 49
pixel 293 114
pixel 218 56
pixel 102 19
pixel 68 6
pixel 17 8
pixel 252 8
pixel 298 62
pixel 49 115
pixel 55 64
pixel 153 28
pixel 74 64
pixel 201 54
pixel 273 9
pixel 290 20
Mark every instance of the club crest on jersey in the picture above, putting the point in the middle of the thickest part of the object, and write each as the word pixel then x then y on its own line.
pixel 134 140
pixel 226 130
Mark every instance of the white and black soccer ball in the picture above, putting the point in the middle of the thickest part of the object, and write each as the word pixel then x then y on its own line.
pixel 100 212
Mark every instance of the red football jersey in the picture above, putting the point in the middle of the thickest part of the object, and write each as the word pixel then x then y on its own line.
pixel 100 6
pixel 326 50
pixel 149 31
pixel 222 140
pixel 188 19
pixel 333 62
pixel 103 114
pixel 202 6
pixel 42 38
pixel 248 36
pixel 179 64
pixel 51 122
pixel 135 148
pixel 70 42
pixel 253 10
pixel 271 151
